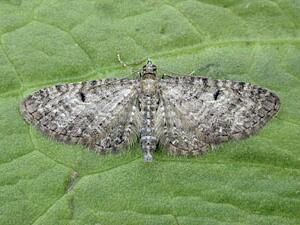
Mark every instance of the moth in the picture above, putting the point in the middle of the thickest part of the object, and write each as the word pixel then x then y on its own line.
pixel 185 115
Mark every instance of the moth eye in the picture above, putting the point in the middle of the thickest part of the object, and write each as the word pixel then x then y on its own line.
pixel 216 95
pixel 82 96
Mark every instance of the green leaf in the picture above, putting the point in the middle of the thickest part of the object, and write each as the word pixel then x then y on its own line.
pixel 255 181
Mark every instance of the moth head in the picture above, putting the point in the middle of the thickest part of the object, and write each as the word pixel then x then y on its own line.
pixel 149 70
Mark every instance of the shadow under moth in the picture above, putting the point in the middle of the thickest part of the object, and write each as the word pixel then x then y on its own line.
pixel 185 115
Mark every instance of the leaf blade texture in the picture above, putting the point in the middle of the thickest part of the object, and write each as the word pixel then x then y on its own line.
pixel 43 43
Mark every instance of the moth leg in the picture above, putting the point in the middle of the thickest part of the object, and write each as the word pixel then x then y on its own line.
pixel 191 73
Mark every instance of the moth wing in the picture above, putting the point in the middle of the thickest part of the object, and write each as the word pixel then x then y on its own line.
pixel 198 112
pixel 101 115
pixel 175 133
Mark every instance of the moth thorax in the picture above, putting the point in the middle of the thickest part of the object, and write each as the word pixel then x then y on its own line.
pixel 151 76
pixel 149 86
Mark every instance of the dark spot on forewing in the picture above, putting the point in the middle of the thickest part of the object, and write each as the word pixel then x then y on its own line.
pixel 216 95
pixel 82 96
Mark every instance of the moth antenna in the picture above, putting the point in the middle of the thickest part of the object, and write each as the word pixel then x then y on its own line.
pixel 121 61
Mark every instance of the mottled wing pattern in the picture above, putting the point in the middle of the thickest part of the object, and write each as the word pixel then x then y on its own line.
pixel 101 115
pixel 197 112
pixel 174 131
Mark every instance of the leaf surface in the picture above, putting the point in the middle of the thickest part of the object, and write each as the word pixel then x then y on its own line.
pixel 255 181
